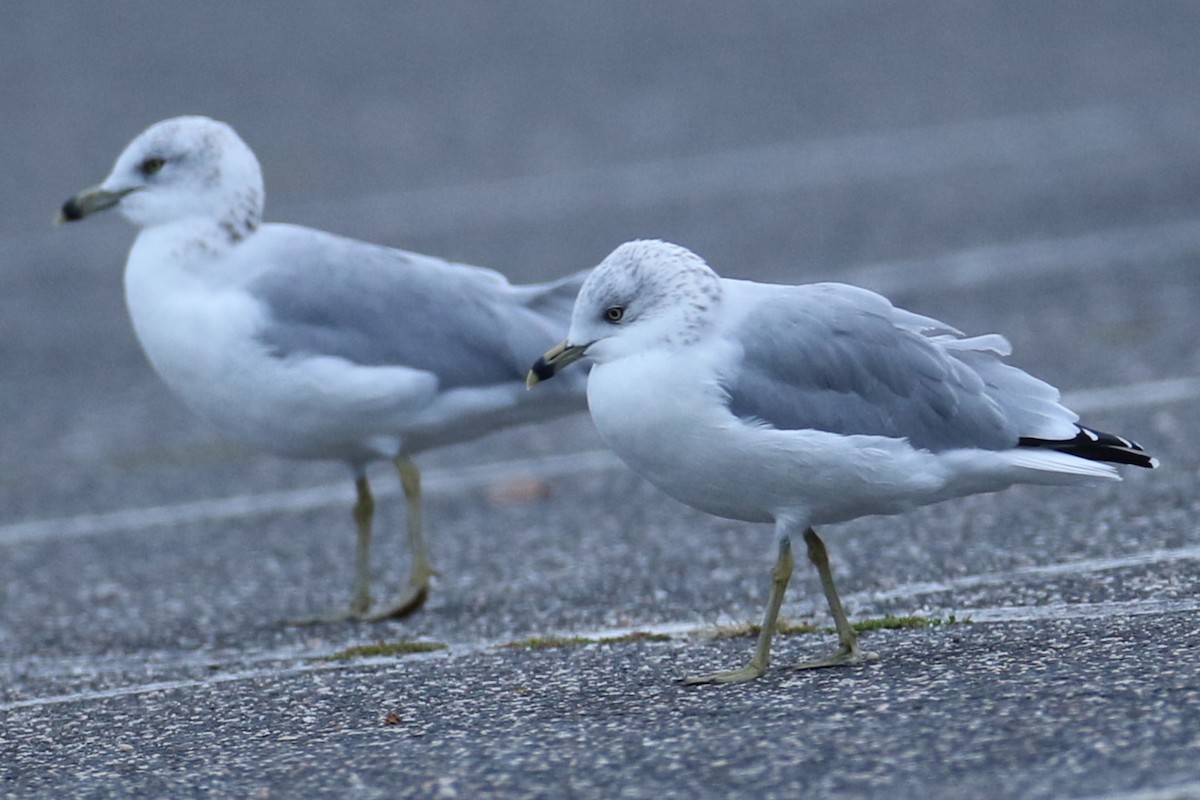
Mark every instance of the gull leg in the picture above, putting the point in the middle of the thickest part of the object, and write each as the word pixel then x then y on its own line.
pixel 761 659
pixel 422 570
pixel 847 652
pixel 364 511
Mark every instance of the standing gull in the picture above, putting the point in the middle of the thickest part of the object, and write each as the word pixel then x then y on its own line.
pixel 807 405
pixel 310 345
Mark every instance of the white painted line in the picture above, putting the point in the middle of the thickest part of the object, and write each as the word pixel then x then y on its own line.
pixel 289 656
pixel 990 265
pixel 1069 569
pixel 1061 611
pixel 1019 140
pixel 1138 395
pixel 73 665
pixel 215 680
pixel 148 661
pixel 251 505
pixel 1026 141
pixel 1142 395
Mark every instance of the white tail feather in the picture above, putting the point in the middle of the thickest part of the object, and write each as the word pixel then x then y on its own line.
pixel 1052 466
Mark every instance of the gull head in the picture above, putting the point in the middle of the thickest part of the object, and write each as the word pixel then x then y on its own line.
pixel 180 168
pixel 646 294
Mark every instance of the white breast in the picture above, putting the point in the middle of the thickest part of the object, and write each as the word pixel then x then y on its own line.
pixel 666 417
pixel 198 328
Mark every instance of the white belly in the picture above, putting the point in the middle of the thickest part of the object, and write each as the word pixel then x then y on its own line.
pixel 687 443
pixel 201 340
pixel 200 332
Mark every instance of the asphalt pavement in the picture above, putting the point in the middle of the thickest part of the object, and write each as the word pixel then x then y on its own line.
pixel 1024 167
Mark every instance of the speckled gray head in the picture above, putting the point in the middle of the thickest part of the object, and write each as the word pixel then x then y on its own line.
pixel 662 291
pixel 645 294
pixel 184 167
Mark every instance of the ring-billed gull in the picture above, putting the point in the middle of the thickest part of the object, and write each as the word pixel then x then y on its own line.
pixel 807 405
pixel 311 345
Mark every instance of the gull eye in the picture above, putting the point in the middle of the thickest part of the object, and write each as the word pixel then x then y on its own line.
pixel 152 165
pixel 614 314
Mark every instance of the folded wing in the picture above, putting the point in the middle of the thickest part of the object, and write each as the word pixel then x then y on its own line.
pixel 841 359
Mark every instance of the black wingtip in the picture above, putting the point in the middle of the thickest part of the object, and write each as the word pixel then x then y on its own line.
pixel 1097 445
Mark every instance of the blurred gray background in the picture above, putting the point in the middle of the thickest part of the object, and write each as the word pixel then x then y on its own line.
pixel 1025 167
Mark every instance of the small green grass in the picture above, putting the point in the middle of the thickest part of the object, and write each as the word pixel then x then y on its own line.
pixel 384 649
pixel 889 622
pixel 636 636
pixel 548 642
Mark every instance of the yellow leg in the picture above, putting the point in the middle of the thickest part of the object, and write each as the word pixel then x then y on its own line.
pixel 847 652
pixel 364 512
pixel 780 575
pixel 422 570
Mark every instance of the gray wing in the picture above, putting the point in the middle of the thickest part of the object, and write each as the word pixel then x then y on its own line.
pixel 841 359
pixel 377 306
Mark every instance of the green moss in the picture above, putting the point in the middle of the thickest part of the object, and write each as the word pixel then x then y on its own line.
pixel 548 642
pixel 385 649
pixel 636 636
pixel 890 622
